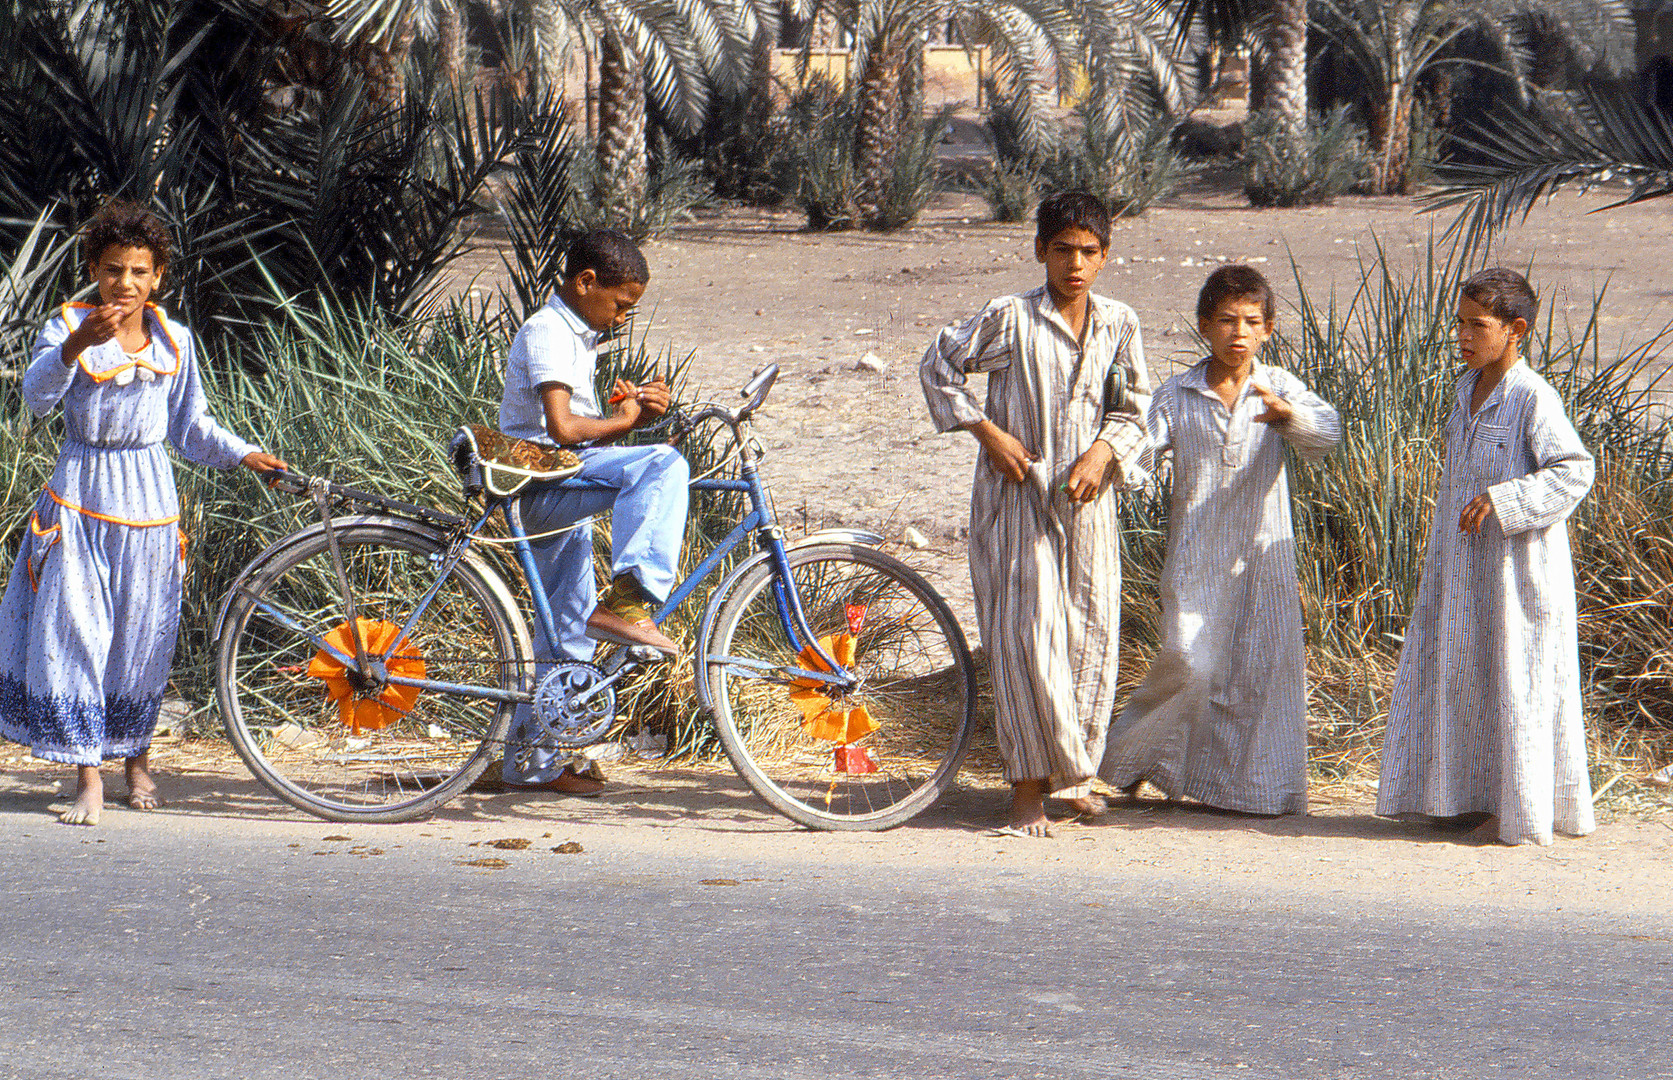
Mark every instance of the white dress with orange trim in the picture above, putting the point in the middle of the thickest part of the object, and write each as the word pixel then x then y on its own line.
pixel 89 618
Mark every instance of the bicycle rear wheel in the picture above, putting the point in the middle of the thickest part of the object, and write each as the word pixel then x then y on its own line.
pixel 299 743
pixel 916 682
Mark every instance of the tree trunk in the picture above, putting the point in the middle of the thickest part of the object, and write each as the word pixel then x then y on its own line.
pixel 763 51
pixel 912 86
pixel 621 130
pixel 877 129
pixel 1390 133
pixel 450 43
pixel 1287 46
pixel 383 66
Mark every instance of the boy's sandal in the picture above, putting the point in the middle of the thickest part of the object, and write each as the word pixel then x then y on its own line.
pixel 605 625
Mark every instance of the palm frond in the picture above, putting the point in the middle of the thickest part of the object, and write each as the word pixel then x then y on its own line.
pixel 1526 157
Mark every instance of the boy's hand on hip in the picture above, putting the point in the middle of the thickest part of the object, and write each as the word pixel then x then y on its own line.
pixel 1087 475
pixel 1009 456
pixel 1475 515
pixel 1278 411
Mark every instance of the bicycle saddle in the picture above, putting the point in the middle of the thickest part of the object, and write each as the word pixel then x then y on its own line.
pixel 494 462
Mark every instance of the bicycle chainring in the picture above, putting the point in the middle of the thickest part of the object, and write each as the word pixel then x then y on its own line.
pixel 566 720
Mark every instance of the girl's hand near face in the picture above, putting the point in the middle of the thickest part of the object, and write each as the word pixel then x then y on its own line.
pixel 99 327
pixel 1087 475
pixel 1278 411
pixel 1475 515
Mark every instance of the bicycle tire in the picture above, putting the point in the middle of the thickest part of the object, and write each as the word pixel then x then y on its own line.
pixel 925 707
pixel 428 754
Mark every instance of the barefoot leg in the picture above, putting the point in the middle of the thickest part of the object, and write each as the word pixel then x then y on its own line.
pixel 1028 808
pixel 90 797
pixel 142 790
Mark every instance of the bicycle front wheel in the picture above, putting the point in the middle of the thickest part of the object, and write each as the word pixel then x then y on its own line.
pixel 916 684
pixel 283 700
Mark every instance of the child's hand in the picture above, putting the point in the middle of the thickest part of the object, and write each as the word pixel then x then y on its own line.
pixel 264 463
pixel 625 396
pixel 1278 411
pixel 1087 476
pixel 1475 515
pixel 1009 456
pixel 99 327
pixel 656 398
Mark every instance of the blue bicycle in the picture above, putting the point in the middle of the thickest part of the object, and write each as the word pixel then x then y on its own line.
pixel 369 666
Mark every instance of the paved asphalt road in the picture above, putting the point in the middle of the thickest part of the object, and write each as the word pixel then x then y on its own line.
pixel 207 952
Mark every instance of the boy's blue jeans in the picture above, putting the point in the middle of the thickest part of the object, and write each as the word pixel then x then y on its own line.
pixel 647 501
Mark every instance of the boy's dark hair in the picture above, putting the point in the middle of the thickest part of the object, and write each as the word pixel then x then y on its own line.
pixel 1505 293
pixel 120 223
pixel 1236 282
pixel 1072 210
pixel 611 255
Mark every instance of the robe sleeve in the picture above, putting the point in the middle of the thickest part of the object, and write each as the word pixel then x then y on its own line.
pixel 1563 473
pixel 191 429
pixel 981 343
pixel 1123 428
pixel 47 378
pixel 1314 427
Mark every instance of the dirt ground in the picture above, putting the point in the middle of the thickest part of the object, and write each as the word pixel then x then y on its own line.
pixel 1339 854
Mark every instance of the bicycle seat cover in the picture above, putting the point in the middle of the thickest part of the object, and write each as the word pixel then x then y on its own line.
pixel 494 462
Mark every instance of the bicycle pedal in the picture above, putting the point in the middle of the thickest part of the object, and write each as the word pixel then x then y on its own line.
pixel 644 654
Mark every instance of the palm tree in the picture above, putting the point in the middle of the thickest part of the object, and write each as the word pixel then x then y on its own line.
pixel 1033 42
pixel 1395 43
pixel 665 53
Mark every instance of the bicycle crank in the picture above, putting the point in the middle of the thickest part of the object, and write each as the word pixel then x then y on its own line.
pixel 575 704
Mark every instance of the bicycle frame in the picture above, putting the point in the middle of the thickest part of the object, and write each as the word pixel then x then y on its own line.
pixel 759 520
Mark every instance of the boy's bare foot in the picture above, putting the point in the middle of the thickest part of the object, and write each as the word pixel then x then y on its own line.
pixel 1028 809
pixel 90 797
pixel 1091 804
pixel 142 790
pixel 1487 832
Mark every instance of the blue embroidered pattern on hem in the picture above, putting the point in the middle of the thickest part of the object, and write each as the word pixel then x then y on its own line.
pixel 62 729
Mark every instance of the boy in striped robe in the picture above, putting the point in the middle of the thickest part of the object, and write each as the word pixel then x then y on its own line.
pixel 1044 555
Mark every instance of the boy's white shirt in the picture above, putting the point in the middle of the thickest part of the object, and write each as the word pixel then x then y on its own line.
pixel 554 346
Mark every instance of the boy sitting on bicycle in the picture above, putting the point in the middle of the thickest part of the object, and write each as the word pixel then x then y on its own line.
pixel 550 397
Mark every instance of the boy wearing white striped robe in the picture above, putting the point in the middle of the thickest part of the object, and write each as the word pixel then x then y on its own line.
pixel 1221 717
pixel 1485 720
pixel 1044 554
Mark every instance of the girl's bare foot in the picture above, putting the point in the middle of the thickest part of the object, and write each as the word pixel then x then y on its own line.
pixel 90 797
pixel 1028 808
pixel 142 790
